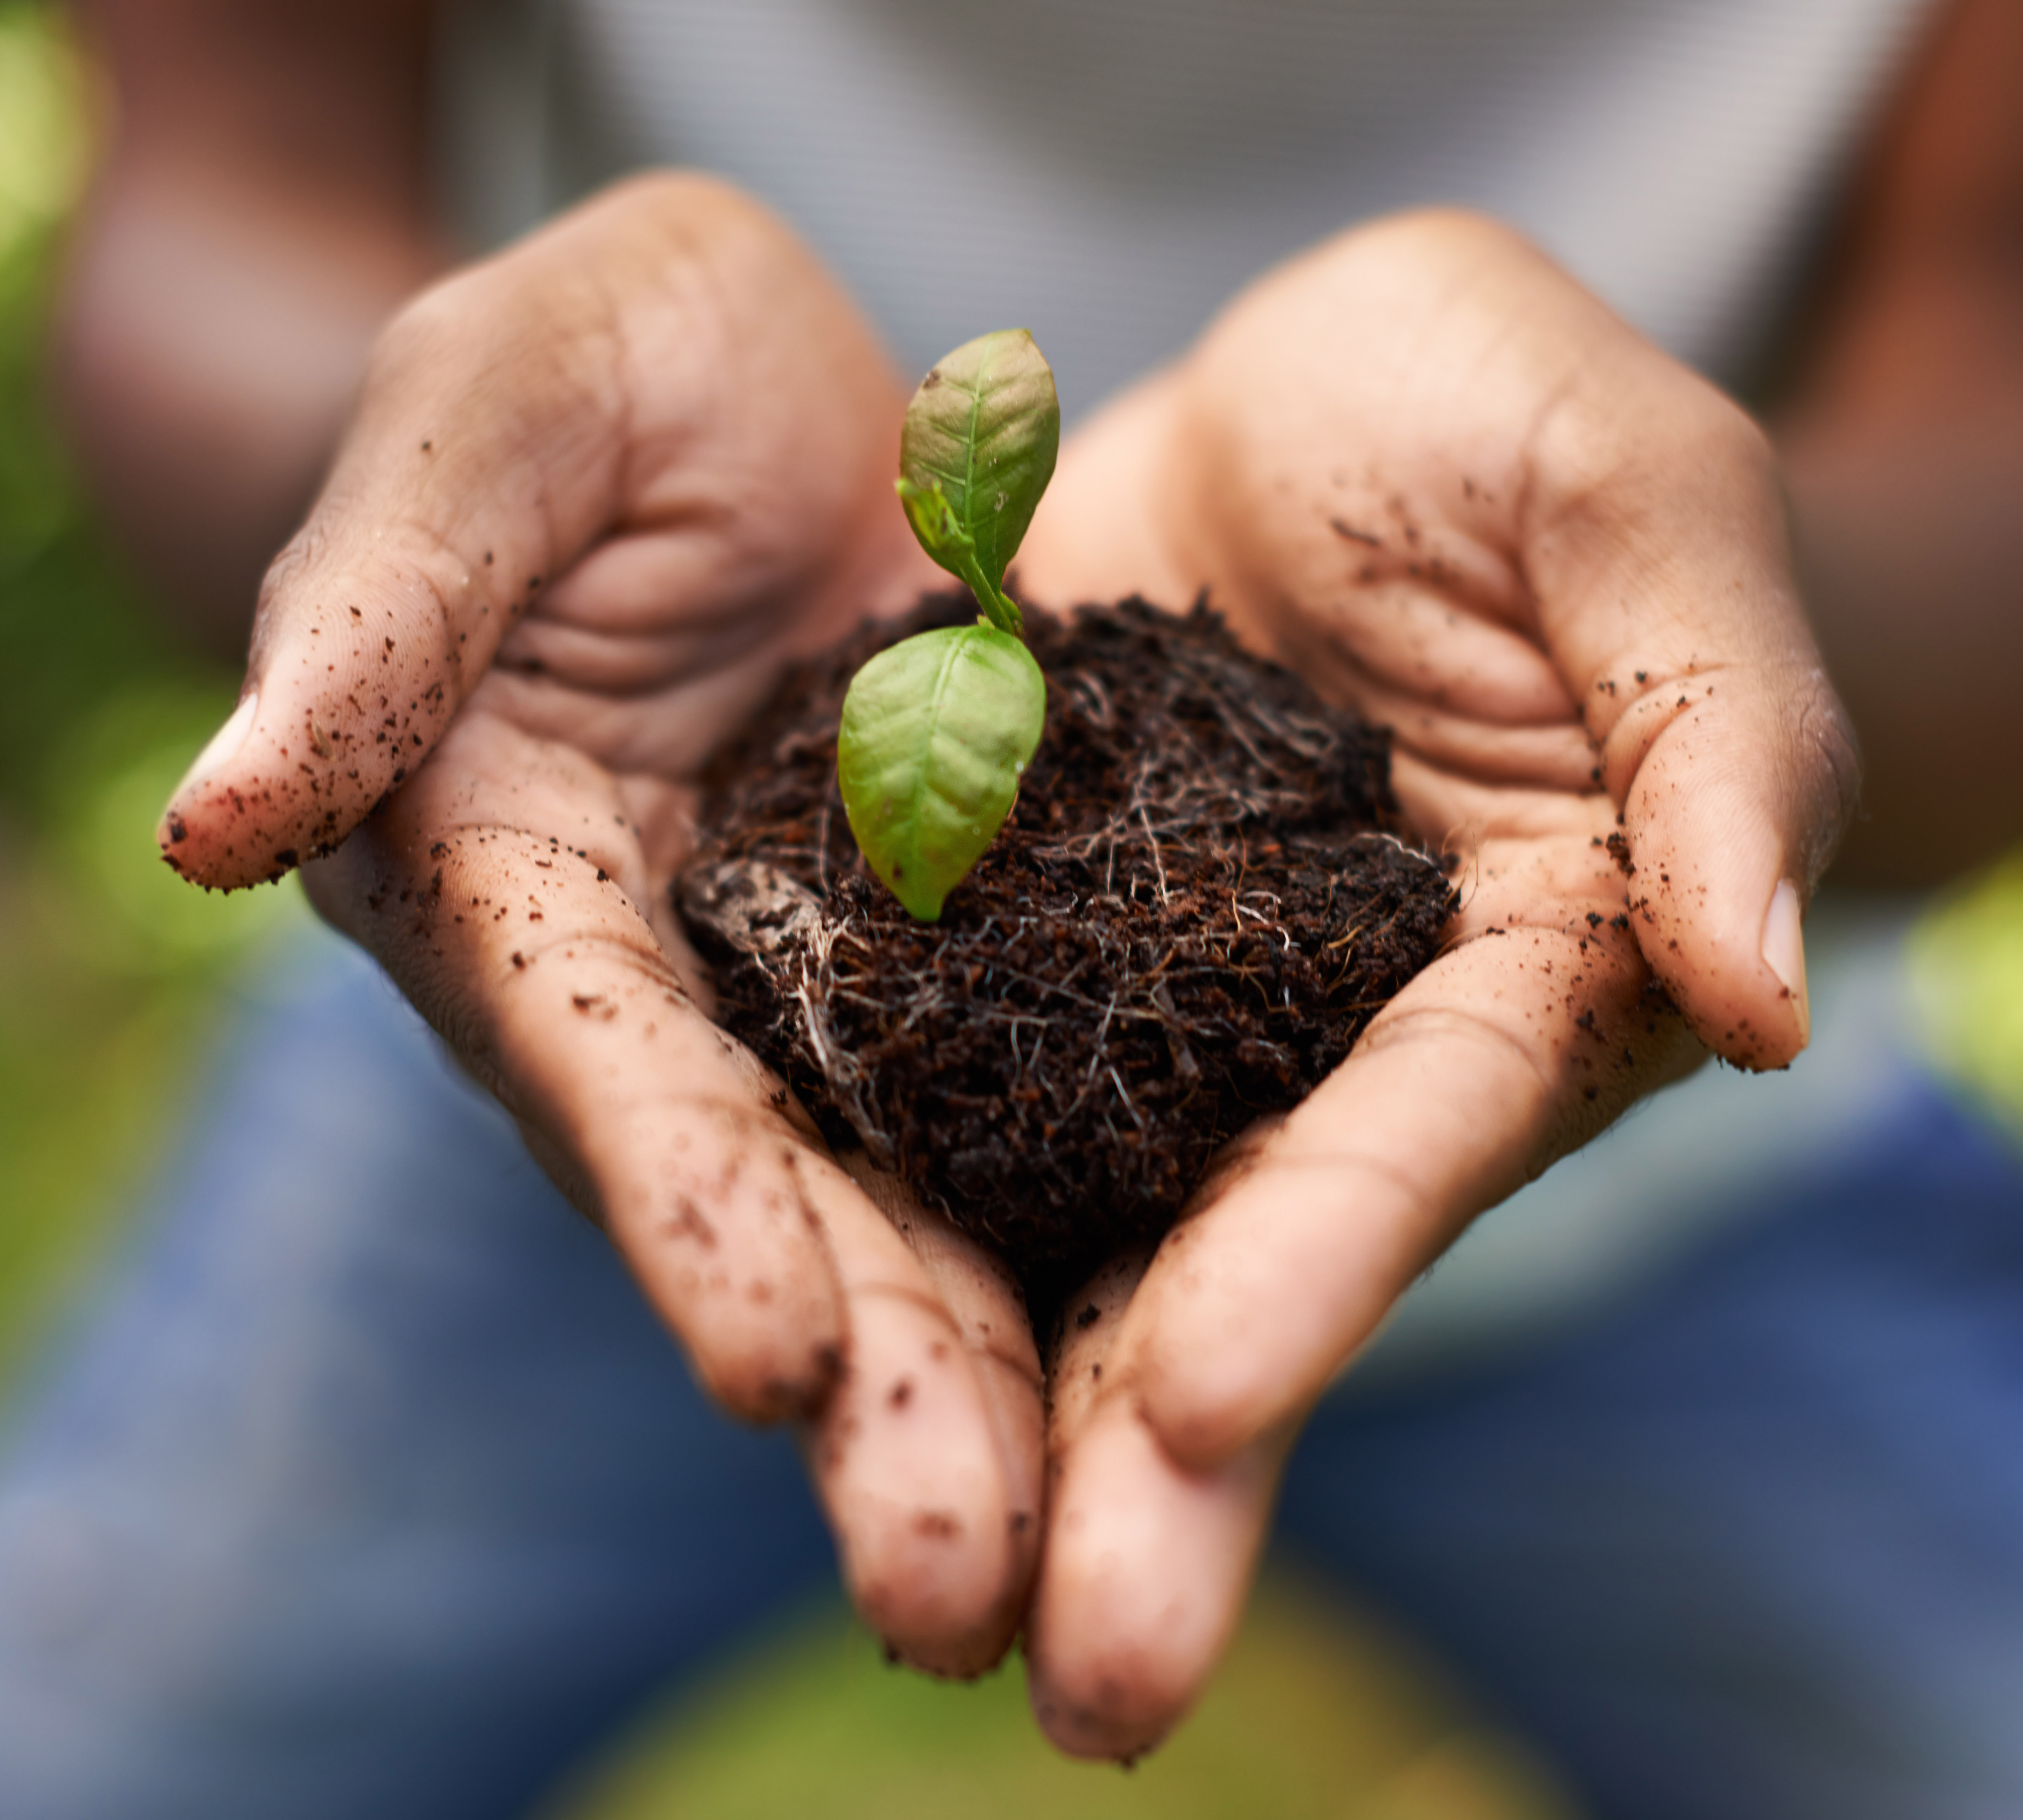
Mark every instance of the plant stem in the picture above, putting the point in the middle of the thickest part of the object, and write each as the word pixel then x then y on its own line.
pixel 999 608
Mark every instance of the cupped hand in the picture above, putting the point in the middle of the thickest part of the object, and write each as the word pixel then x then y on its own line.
pixel 1426 470
pixel 596 492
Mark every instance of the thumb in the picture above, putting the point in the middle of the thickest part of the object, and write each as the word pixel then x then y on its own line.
pixel 1670 603
pixel 1579 488
pixel 488 452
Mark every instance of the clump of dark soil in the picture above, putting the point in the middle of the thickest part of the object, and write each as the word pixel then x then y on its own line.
pixel 1199 901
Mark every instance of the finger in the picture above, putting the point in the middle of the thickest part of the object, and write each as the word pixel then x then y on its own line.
pixel 988 1309
pixel 502 892
pixel 1146 1564
pixel 927 1459
pixel 1666 595
pixel 502 432
pixel 1510 1051
pixel 1514 1048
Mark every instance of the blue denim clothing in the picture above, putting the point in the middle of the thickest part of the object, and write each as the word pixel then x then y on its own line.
pixel 1751 1547
pixel 371 1487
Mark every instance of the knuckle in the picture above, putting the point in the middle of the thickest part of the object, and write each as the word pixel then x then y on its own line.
pixel 428 323
pixel 692 194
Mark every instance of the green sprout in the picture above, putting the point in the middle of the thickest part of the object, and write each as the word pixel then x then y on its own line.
pixel 938 729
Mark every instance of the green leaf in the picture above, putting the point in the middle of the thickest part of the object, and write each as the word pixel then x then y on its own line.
pixel 976 455
pixel 936 732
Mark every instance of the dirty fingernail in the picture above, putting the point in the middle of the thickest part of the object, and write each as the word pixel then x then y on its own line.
pixel 223 746
pixel 1785 951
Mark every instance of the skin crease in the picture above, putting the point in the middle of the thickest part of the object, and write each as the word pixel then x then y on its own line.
pixel 1568 510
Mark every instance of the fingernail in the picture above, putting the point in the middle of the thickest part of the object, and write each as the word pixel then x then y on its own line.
pixel 1785 951
pixel 224 744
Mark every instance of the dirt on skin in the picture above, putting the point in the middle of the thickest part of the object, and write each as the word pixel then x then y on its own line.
pixel 1202 896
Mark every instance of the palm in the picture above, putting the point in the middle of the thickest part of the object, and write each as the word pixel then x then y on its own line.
pixel 1425 470
pixel 651 649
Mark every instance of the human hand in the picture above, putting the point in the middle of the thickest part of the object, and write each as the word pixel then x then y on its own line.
pixel 596 492
pixel 1424 468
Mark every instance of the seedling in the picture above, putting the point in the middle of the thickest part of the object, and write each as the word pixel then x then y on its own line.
pixel 1073 1020
pixel 937 730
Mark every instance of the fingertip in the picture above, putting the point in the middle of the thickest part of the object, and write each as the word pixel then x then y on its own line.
pixel 919 1624
pixel 241 824
pixel 223 746
pixel 1095 1723
pixel 206 805
pixel 930 1459
pixel 1201 1415
pixel 1739 982
pixel 1237 1327
pixel 770 1375
pixel 934 1553
pixel 757 1306
pixel 1714 904
pixel 1205 1384
pixel 705 1200
pixel 1142 1585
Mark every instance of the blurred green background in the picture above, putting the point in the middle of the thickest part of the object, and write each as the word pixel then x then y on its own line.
pixel 115 978
pixel 111 975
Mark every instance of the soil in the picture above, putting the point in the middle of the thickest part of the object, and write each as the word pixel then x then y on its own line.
pixel 1203 894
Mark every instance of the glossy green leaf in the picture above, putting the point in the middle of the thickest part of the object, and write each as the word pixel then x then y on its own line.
pixel 976 455
pixel 936 732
